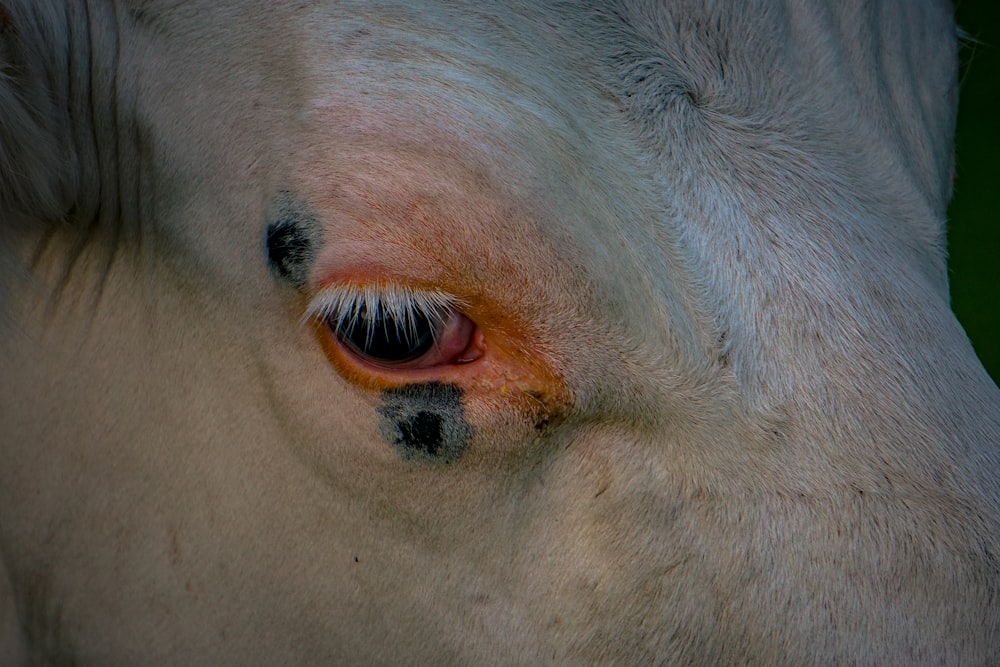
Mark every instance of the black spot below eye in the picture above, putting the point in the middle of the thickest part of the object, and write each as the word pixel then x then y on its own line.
pixel 382 338
pixel 422 431
pixel 426 422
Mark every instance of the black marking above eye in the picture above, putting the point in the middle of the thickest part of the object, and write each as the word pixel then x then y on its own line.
pixel 292 239
pixel 382 335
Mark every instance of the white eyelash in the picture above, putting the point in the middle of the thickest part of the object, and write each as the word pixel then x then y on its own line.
pixel 342 305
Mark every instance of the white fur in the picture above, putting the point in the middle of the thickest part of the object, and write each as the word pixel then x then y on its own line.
pixel 724 414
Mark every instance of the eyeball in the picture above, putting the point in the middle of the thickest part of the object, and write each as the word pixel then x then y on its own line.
pixel 381 336
pixel 395 327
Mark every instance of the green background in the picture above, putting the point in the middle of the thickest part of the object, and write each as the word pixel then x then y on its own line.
pixel 973 229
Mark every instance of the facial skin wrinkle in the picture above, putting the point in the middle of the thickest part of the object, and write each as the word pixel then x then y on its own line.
pixel 425 422
pixel 292 239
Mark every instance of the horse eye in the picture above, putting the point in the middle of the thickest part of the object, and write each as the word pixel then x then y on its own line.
pixel 397 328
pixel 383 337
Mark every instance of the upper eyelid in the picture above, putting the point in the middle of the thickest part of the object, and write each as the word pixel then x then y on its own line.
pixel 399 302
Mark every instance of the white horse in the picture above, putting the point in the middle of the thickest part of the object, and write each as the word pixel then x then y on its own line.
pixel 462 332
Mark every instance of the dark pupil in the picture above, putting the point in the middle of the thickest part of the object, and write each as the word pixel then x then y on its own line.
pixel 378 337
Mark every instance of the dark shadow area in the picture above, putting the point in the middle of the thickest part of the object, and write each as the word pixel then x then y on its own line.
pixel 974 216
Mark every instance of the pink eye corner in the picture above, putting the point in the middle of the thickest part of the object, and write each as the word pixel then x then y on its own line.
pixel 397 328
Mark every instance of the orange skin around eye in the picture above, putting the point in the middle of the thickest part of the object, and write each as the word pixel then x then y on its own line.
pixel 499 363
